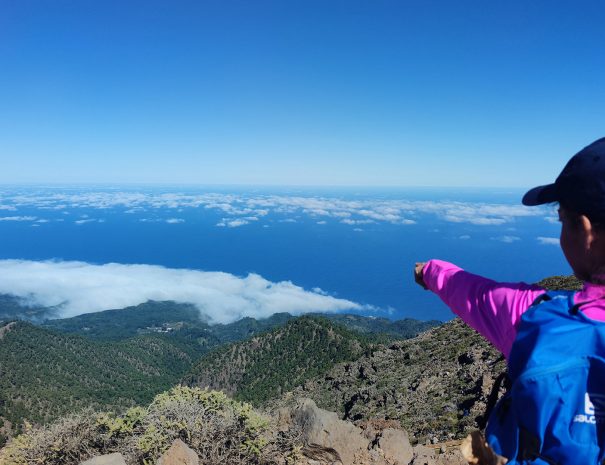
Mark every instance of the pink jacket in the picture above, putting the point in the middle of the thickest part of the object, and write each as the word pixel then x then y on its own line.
pixel 492 308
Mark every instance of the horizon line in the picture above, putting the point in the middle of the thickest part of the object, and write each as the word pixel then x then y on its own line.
pixel 103 184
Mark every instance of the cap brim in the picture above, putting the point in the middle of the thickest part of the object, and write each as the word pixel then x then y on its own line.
pixel 540 195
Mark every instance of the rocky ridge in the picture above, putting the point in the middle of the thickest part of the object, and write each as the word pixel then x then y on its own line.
pixel 435 385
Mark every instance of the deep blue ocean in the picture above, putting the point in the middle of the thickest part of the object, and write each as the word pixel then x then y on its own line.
pixel 356 244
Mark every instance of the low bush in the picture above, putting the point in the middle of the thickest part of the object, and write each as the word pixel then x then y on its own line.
pixel 219 429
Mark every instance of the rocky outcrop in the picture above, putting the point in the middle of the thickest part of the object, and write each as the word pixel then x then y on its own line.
pixel 427 456
pixel 6 328
pixel 329 440
pixel 435 386
pixel 179 454
pixel 109 459
pixel 395 446
pixel 324 430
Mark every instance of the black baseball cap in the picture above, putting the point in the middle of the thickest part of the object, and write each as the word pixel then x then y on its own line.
pixel 580 186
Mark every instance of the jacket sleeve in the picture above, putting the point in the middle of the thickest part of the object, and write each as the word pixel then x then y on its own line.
pixel 492 308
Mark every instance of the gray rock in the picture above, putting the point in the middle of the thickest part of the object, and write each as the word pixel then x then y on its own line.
pixel 109 459
pixel 424 456
pixel 451 458
pixel 179 454
pixel 331 441
pixel 427 456
pixel 324 429
pixel 395 445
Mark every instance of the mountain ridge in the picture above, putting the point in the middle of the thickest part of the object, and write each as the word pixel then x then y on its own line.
pixel 27 351
pixel 47 373
pixel 260 368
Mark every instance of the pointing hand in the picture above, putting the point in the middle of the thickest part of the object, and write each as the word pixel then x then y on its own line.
pixel 418 274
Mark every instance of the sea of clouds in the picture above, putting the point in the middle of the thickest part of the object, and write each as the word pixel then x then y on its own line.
pixel 241 210
pixel 75 288
pixel 78 287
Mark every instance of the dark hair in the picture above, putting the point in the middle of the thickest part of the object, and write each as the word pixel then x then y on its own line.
pixel 574 216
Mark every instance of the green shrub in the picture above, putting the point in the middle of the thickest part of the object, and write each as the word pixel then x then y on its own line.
pixel 219 429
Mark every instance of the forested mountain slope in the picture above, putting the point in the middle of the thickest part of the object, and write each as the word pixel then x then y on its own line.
pixel 12 307
pixel 265 366
pixel 45 374
pixel 119 358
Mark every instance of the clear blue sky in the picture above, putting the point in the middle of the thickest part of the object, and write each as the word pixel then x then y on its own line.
pixel 446 93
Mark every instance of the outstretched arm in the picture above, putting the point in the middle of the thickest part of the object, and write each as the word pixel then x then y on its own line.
pixel 492 308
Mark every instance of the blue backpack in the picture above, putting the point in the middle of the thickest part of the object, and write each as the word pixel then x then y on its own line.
pixel 554 412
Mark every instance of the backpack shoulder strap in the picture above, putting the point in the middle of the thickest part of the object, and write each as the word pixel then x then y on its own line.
pixel 565 300
pixel 560 300
pixel 501 381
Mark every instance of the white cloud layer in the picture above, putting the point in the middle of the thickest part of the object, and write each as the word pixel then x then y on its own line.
pixel 241 209
pixel 548 240
pixel 507 239
pixel 79 287
pixel 232 223
pixel 18 218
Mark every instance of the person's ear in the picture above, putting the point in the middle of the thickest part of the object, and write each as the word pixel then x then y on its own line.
pixel 588 232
